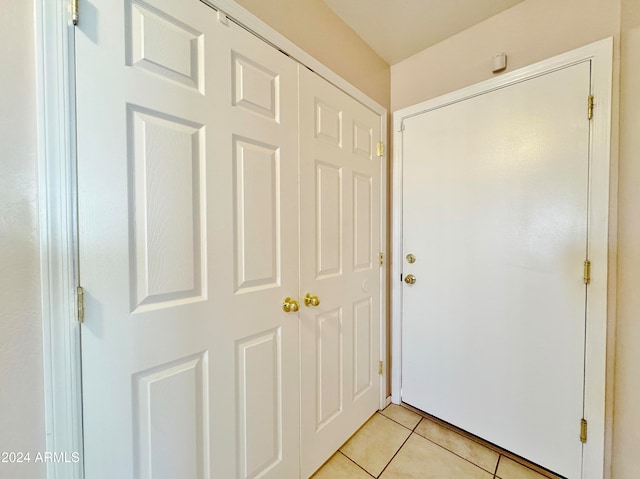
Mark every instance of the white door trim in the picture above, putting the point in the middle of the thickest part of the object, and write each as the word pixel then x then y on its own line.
pixel 55 93
pixel 601 55
pixel 55 82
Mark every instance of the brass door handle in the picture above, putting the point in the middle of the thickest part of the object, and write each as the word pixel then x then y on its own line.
pixel 290 305
pixel 311 300
pixel 410 279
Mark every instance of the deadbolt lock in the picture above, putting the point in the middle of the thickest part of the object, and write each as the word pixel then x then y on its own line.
pixel 411 258
pixel 410 279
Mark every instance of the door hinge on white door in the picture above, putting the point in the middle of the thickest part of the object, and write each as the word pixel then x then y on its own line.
pixel 380 149
pixel 380 365
pixel 590 107
pixel 74 12
pixel 587 272
pixel 80 302
pixel 380 259
pixel 583 430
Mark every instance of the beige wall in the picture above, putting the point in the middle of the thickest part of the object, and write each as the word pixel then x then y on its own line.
pixel 314 27
pixel 21 380
pixel 626 425
pixel 531 31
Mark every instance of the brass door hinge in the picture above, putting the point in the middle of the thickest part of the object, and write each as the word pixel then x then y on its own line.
pixel 583 430
pixel 380 259
pixel 380 364
pixel 74 12
pixel 380 149
pixel 590 107
pixel 587 272
pixel 80 301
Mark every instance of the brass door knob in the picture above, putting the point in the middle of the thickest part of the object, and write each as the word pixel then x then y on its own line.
pixel 290 305
pixel 410 279
pixel 311 300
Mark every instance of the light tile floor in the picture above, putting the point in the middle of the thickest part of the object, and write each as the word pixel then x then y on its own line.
pixel 402 443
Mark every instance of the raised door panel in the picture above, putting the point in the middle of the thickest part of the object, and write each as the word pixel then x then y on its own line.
pixel 328 214
pixel 166 165
pixel 257 215
pixel 329 360
pixel 258 392
pixel 171 420
pixel 163 45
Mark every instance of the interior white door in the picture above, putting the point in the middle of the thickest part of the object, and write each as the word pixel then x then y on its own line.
pixel 187 174
pixel 495 193
pixel 339 246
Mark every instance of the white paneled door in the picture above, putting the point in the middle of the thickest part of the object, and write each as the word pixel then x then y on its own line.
pixel 339 245
pixel 495 213
pixel 188 219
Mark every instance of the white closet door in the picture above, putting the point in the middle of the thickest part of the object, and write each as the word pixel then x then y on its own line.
pixel 187 173
pixel 495 211
pixel 339 246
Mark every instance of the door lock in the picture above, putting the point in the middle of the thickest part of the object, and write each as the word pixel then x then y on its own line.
pixel 410 279
pixel 310 300
pixel 290 306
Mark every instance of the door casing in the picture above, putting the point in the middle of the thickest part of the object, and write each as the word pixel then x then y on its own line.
pixel 55 70
pixel 601 56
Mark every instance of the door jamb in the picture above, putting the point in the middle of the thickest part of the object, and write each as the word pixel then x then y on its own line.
pixel 600 53
pixel 59 275
pixel 55 85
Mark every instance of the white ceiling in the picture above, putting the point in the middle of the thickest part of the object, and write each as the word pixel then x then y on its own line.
pixel 397 29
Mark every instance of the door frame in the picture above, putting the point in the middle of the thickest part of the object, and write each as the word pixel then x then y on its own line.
pixel 57 207
pixel 601 56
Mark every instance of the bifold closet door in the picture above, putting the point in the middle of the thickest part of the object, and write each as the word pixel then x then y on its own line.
pixel 339 246
pixel 187 174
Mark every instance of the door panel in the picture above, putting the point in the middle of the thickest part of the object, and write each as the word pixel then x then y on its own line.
pixel 187 174
pixel 495 211
pixel 340 241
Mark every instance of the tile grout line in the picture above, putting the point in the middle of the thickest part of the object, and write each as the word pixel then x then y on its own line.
pixel 454 453
pixel 367 472
pixel 495 473
pixel 400 424
pixel 481 442
pixel 400 448
pixel 545 473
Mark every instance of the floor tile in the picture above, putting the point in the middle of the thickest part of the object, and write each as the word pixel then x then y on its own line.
pixel 419 458
pixel 508 469
pixel 339 467
pixel 373 446
pixel 401 415
pixel 460 445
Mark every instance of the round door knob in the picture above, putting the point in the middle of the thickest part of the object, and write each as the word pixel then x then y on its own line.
pixel 410 279
pixel 310 300
pixel 290 306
